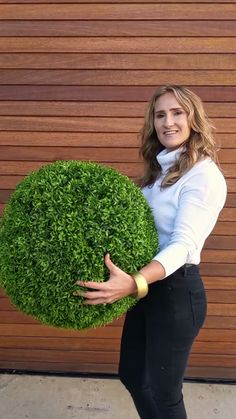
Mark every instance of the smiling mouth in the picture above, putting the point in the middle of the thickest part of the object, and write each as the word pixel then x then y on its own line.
pixel 170 132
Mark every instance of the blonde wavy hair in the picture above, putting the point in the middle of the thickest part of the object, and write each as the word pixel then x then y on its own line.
pixel 200 143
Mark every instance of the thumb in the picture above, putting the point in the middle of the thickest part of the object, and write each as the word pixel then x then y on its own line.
pixel 109 264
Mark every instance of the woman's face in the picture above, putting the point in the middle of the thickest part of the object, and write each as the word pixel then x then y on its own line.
pixel 171 122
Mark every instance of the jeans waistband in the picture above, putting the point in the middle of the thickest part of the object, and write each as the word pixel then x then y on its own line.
pixel 187 268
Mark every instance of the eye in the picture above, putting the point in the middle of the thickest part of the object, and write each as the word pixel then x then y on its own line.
pixel 159 115
pixel 179 112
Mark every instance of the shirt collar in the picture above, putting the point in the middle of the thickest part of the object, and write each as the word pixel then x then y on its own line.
pixel 166 158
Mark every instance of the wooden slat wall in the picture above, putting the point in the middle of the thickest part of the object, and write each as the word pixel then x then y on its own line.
pixel 74 81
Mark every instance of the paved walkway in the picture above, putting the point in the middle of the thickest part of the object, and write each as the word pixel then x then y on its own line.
pixel 59 397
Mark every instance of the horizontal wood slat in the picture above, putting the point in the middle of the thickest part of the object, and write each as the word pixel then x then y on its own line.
pixel 212 360
pixel 222 296
pixel 118 44
pixel 102 154
pixel 103 357
pixel 80 139
pixel 219 283
pixel 69 153
pixel 212 255
pixel 107 28
pixel 76 366
pixel 225 228
pixel 108 109
pixel 231 184
pixel 22 168
pixel 100 124
pixel 109 332
pixel 59 355
pixel 117 77
pixel 231 200
pixel 106 93
pixel 118 11
pixel 105 1
pixel 218 269
pixel 228 214
pixel 222 242
pixel 74 344
pixel 91 344
pixel 10 316
pixel 118 61
pixel 211 373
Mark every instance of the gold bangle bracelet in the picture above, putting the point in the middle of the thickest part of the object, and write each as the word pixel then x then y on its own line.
pixel 142 285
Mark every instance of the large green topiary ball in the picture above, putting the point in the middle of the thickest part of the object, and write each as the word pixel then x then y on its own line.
pixel 56 229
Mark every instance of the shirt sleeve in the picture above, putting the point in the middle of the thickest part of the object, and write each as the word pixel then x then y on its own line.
pixel 201 199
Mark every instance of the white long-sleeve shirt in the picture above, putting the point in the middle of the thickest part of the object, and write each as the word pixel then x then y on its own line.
pixel 186 212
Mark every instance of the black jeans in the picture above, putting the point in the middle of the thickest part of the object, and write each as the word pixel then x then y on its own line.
pixel 157 338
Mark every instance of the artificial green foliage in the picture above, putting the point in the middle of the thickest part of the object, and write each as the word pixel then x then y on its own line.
pixel 56 229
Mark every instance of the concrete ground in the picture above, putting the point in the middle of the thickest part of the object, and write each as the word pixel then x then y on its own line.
pixel 60 397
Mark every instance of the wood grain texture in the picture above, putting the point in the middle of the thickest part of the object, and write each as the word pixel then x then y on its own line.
pixel 118 11
pixel 108 109
pixel 117 77
pixel 22 168
pixel 84 139
pixel 75 78
pixel 97 344
pixel 102 154
pixel 121 61
pixel 212 255
pixel 225 242
pixel 221 269
pixel 174 28
pixel 102 357
pixel 107 93
pixel 101 124
pixel 118 44
pixel 228 228
pixel 106 1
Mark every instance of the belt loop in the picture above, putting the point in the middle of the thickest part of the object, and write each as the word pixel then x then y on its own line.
pixel 185 270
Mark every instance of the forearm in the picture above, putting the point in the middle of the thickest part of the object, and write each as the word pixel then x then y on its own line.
pixel 153 272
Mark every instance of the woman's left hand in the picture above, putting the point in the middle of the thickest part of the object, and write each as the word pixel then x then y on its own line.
pixel 119 285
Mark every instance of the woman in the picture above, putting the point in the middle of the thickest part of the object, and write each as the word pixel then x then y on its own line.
pixel 186 192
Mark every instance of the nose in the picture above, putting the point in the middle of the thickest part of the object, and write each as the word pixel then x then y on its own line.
pixel 169 120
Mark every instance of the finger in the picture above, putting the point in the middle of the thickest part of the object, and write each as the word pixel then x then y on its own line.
pixel 95 302
pixel 108 262
pixel 92 284
pixel 78 294
pixel 93 295
pixel 90 295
